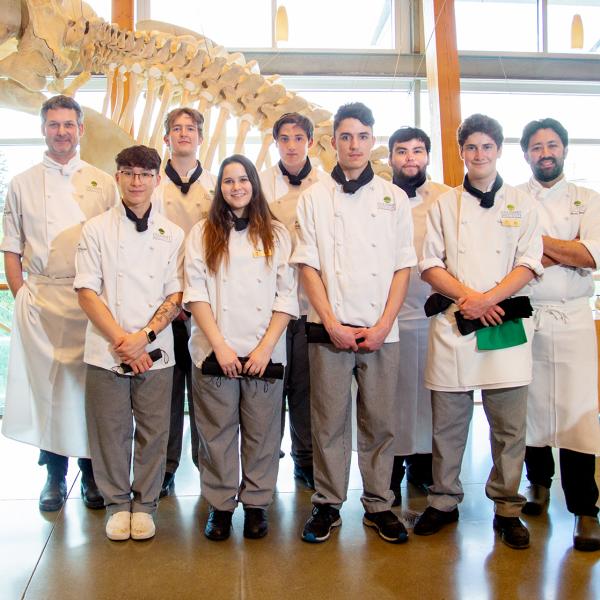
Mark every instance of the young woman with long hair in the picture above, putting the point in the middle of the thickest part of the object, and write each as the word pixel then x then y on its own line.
pixel 242 293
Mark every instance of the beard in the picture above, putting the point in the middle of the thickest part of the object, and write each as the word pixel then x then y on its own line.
pixel 418 177
pixel 549 173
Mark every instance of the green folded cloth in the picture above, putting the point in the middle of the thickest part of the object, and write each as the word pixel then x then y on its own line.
pixel 506 335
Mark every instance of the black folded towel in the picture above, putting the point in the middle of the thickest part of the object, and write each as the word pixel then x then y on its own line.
pixel 211 366
pixel 518 307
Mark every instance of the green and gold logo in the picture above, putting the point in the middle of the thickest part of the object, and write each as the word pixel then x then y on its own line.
pixel 94 183
pixel 387 199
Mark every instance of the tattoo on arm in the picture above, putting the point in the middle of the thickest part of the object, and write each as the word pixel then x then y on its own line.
pixel 166 312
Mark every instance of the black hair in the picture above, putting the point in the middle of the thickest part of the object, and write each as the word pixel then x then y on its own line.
pixel 353 110
pixel 548 123
pixel 404 134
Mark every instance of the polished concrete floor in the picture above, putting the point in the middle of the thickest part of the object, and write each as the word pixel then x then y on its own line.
pixel 66 555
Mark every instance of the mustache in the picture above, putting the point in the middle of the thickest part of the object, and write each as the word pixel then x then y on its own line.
pixel 550 158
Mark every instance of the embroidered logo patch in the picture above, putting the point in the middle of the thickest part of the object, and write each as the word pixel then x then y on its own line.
pixel 388 203
pixel 162 235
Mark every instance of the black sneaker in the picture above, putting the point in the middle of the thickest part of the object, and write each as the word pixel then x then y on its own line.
pixel 512 532
pixel 305 475
pixel 432 520
pixel 388 526
pixel 218 526
pixel 168 485
pixel 318 527
pixel 255 523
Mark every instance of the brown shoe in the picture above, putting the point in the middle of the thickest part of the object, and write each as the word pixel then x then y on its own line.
pixel 586 535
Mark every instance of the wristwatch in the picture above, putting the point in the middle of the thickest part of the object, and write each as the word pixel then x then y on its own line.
pixel 149 334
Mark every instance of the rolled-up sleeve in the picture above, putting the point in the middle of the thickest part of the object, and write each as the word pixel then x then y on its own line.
pixel 434 247
pixel 14 239
pixel 405 250
pixel 589 229
pixel 530 247
pixel 306 251
pixel 88 260
pixel 286 294
pixel 174 276
pixel 195 269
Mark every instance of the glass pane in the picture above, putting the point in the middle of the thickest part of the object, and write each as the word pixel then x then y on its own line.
pixel 560 17
pixel 341 24
pixel 101 7
pixel 230 23
pixel 499 25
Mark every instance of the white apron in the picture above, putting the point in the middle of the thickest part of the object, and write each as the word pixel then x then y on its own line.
pixel 45 368
pixel 414 400
pixel 562 409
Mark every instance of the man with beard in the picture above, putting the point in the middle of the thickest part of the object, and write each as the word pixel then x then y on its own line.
pixel 184 196
pixel 562 410
pixel 354 251
pixel 409 156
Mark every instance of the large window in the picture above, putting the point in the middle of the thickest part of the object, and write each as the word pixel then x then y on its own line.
pixel 311 23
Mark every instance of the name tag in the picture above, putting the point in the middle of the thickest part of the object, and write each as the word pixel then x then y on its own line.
pixel 261 253
pixel 510 222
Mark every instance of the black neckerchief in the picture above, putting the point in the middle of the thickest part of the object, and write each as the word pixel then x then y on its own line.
pixel 410 184
pixel 353 185
pixel 141 223
pixel 173 175
pixel 486 198
pixel 296 179
pixel 239 223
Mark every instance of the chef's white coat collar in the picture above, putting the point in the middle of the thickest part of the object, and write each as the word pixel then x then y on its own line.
pixel 71 167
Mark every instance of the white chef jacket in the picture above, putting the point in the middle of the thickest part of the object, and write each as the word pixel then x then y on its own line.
pixel 566 211
pixel 357 242
pixel 44 211
pixel 283 201
pixel 479 247
pixel 562 403
pixel 243 294
pixel 188 209
pixel 133 273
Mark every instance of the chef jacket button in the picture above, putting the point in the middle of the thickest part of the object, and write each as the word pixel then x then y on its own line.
pixel 338 243
pixel 151 276
pixel 338 213
pixel 498 251
pixel 374 274
pixel 461 251
pixel 168 202
pixel 120 274
pixel 373 214
pixel 259 280
pixel 149 305
pixel 224 308
pixel 258 336
pixel 372 303
pixel 563 300
pixel 118 303
pixel 197 203
pixel 338 272
pixel 373 244
pixel 224 280
pixel 463 222
pixel 258 308
pixel 151 247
